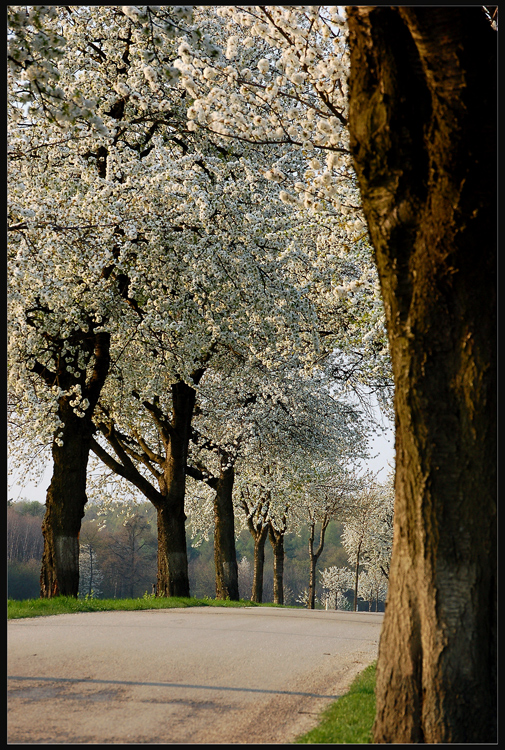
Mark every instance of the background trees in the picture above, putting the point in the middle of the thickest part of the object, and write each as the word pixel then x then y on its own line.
pixel 362 519
pixel 104 531
pixel 336 582
pixel 24 548
pixel 128 550
pixel 367 535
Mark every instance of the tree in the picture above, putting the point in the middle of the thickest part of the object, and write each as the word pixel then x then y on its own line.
pixel 361 518
pixel 245 576
pixel 58 360
pixel 336 581
pixel 373 586
pixel 377 554
pixel 90 575
pixel 256 512
pixel 104 149
pixel 60 261
pixel 225 557
pixel 143 184
pixel 276 532
pixel 423 135
pixel 306 599
pixel 325 498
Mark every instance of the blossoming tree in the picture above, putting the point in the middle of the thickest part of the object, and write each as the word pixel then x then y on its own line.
pixel 166 247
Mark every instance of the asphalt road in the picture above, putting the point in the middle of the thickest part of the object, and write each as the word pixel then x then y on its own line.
pixel 185 676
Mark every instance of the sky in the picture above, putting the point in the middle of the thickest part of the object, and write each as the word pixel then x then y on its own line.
pixel 384 447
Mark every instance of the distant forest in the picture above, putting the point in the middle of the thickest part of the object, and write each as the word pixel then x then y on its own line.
pixel 118 556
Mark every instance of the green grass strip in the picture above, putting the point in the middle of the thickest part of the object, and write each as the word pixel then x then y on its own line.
pixel 60 605
pixel 350 718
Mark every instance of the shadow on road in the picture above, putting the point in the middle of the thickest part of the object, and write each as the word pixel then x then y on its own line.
pixel 169 685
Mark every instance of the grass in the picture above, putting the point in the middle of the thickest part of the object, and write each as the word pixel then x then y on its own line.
pixel 60 605
pixel 349 720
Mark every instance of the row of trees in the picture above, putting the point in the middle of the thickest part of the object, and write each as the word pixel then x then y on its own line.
pixel 171 312
pixel 367 538
pixel 118 556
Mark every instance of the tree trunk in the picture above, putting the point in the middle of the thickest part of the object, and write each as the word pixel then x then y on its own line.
pixel 314 557
pixel 312 569
pixel 174 431
pixel 225 556
pixel 65 501
pixel 66 494
pixel 356 578
pixel 259 563
pixel 277 542
pixel 173 577
pixel 423 135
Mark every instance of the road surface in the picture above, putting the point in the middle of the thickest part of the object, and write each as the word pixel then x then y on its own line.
pixel 184 676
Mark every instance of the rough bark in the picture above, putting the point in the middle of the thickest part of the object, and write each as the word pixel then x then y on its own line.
pixel 225 555
pixel 172 577
pixel 66 494
pixel 423 135
pixel 65 501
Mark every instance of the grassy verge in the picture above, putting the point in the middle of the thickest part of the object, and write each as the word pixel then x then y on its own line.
pixel 67 604
pixel 349 720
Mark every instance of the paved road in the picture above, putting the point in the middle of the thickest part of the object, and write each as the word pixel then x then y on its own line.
pixel 192 676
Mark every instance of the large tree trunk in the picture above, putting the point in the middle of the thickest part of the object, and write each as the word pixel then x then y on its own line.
pixel 65 501
pixel 173 577
pixel 423 135
pixel 66 494
pixel 225 555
